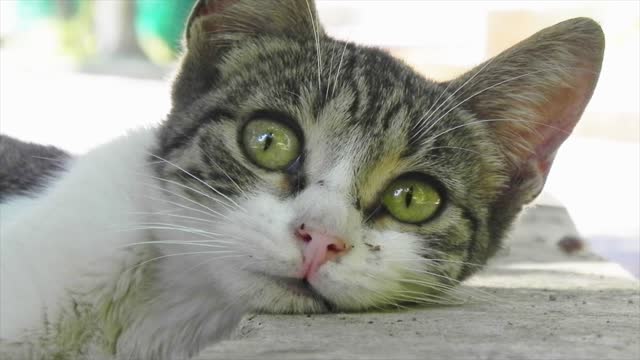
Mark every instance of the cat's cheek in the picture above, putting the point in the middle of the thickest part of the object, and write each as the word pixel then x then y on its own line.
pixel 356 280
pixel 392 257
pixel 264 234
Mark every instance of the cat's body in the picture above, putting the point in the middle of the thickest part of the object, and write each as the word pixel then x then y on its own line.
pixel 295 173
pixel 66 289
pixel 20 177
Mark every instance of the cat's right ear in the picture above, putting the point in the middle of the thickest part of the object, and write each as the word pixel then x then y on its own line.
pixel 215 26
pixel 530 97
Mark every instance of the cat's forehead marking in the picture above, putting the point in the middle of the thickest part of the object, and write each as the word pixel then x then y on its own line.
pixel 331 159
pixel 340 176
pixel 240 58
pixel 358 122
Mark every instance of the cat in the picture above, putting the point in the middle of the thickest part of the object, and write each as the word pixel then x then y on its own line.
pixel 295 173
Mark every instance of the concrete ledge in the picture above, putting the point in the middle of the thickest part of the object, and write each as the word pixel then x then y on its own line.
pixel 534 301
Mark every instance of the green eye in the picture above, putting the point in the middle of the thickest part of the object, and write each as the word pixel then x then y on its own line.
pixel 411 200
pixel 270 144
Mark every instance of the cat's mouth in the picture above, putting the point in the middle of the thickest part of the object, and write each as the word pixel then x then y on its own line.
pixel 301 287
pixel 297 286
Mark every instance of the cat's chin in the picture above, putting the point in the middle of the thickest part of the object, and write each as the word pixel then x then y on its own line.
pixel 299 287
pixel 290 295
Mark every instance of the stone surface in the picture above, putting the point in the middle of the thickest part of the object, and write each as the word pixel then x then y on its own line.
pixel 533 301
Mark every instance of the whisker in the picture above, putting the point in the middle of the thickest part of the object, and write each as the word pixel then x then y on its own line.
pixel 450 290
pixel 193 232
pixel 388 300
pixel 438 285
pixel 184 186
pixel 428 299
pixel 184 254
pixel 331 56
pixel 300 98
pixel 225 238
pixel 226 174
pixel 494 120
pixel 167 226
pixel 172 242
pixel 212 211
pixel 420 133
pixel 375 211
pixel 172 215
pixel 430 284
pixel 456 148
pixel 316 35
pixel 458 282
pixel 396 259
pixel 199 180
pixel 423 271
pixel 213 216
pixel 190 269
pixel 335 82
pixel 451 97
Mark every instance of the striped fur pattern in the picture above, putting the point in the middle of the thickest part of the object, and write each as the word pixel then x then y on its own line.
pixel 25 168
pixel 366 118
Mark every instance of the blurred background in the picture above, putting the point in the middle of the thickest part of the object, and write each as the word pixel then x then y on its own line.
pixel 77 73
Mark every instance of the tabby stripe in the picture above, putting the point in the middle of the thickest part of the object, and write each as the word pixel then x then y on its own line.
pixel 386 118
pixel 475 225
pixel 186 135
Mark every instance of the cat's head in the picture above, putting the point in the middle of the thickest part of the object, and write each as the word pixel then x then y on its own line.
pixel 327 175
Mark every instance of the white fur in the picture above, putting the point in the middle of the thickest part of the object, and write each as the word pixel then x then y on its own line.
pixel 72 239
pixel 79 236
pixel 54 242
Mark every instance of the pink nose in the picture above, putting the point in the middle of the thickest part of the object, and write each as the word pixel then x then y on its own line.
pixel 318 248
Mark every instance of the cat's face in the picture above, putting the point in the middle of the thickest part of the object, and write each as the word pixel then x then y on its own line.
pixel 327 176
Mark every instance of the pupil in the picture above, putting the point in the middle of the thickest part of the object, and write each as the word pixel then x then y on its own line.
pixel 409 197
pixel 267 139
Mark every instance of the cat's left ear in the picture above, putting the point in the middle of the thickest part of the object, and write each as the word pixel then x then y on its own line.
pixel 221 20
pixel 532 95
pixel 215 26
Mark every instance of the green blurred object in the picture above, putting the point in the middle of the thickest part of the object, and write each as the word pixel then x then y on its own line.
pixel 75 26
pixel 159 25
pixel 67 22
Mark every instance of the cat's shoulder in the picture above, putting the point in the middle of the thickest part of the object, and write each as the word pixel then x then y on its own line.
pixel 26 168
